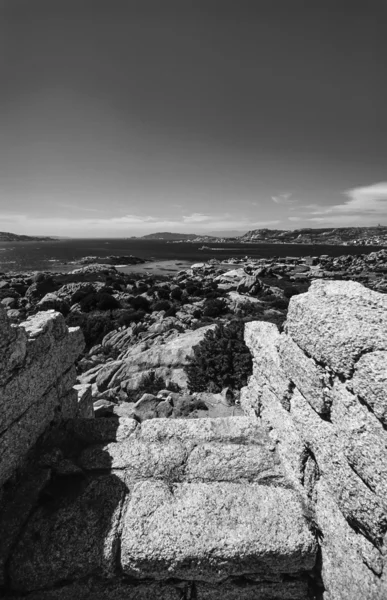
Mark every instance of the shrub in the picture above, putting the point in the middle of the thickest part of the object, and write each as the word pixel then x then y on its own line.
pixel 126 317
pixel 163 293
pixel 140 303
pixel 279 303
pixel 151 384
pixel 290 291
pixel 221 359
pixel 171 312
pixel 107 302
pixel 161 305
pixel 215 307
pixel 94 327
pixel 176 294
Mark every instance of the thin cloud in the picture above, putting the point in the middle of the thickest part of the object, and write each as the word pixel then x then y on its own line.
pixel 122 226
pixel 196 218
pixel 282 198
pixel 364 205
pixel 79 207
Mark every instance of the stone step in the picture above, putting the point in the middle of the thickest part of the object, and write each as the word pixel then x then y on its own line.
pixel 201 500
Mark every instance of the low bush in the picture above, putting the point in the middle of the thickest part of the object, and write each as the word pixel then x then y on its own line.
pixel 221 359
pixel 151 384
pixel 94 326
pixel 176 294
pixel 215 307
pixel 140 303
pixel 161 305
pixel 290 291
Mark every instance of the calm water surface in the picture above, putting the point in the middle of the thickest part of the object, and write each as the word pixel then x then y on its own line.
pixel 56 256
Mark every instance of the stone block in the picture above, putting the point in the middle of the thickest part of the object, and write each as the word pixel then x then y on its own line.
pixel 263 340
pixel 97 431
pixel 85 401
pixel 311 379
pixel 232 462
pixel 18 505
pixel 354 498
pixel 139 460
pixel 71 539
pixel 363 439
pixel 289 590
pixel 291 446
pixel 344 570
pixel 228 429
pixel 370 382
pixel 208 532
pixel 41 372
pixel 338 321
pixel 22 435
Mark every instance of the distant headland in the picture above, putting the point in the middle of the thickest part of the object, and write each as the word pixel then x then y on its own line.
pixel 362 236
pixel 13 237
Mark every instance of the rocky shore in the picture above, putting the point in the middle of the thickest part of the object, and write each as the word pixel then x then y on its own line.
pixel 141 329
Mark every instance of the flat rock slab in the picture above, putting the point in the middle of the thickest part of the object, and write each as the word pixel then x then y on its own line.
pixel 228 429
pixel 71 537
pixel 208 532
pixel 232 462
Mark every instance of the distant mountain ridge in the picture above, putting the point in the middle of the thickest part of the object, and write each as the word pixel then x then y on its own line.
pixel 6 236
pixel 327 235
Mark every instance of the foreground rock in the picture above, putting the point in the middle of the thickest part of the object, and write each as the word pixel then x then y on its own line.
pixel 199 502
pixel 321 387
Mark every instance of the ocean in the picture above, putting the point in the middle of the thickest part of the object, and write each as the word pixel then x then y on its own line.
pixel 62 254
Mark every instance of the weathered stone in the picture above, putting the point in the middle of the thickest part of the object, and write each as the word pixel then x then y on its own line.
pixel 289 590
pixel 103 408
pixel 336 322
pixel 229 429
pixel 363 439
pixel 75 539
pixel 146 406
pixel 21 436
pixel 354 498
pixel 164 359
pixel 370 382
pixel 101 430
pixel 263 340
pixel 140 460
pixel 345 573
pixel 13 347
pixel 97 589
pixel 291 446
pixel 310 378
pixel 231 462
pixel 48 357
pixel 18 505
pixel 85 401
pixel 211 531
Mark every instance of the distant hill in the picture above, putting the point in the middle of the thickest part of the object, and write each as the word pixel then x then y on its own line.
pixel 172 237
pixel 362 236
pixel 5 236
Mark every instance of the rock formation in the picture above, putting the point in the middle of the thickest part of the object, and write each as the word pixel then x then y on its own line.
pixel 321 388
pixel 285 503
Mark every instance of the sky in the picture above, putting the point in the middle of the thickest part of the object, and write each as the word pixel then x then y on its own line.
pixel 121 118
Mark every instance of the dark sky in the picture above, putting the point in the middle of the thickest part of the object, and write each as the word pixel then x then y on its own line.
pixel 126 117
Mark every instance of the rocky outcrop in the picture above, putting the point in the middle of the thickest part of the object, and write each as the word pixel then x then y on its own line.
pixel 36 382
pixel 164 355
pixel 166 509
pixel 321 387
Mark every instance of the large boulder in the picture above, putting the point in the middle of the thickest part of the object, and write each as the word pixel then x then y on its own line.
pixel 165 358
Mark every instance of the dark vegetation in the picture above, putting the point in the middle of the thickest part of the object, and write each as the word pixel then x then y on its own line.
pixel 221 360
pixel 151 384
